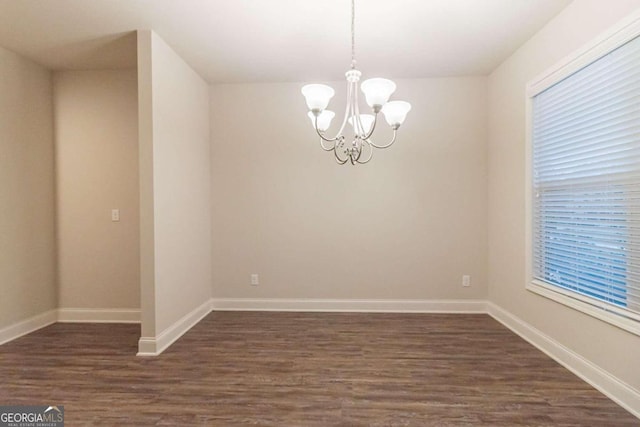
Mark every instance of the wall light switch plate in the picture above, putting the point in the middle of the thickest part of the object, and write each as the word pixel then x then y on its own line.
pixel 115 215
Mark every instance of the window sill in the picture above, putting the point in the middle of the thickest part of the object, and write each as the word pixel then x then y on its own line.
pixel 592 309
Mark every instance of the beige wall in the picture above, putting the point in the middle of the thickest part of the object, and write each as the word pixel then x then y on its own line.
pixel 96 136
pixel 27 236
pixel 408 225
pixel 611 348
pixel 175 186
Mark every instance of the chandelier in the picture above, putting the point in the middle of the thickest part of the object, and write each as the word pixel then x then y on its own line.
pixel 376 91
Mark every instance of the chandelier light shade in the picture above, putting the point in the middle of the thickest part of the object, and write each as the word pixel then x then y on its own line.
pixel 318 96
pixel 324 119
pixel 395 112
pixel 377 92
pixel 366 121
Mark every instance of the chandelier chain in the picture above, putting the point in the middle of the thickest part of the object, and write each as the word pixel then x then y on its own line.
pixel 353 34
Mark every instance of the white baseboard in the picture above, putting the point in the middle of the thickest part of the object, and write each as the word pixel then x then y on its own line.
pixel 350 305
pixel 98 315
pixel 153 346
pixel 615 389
pixel 27 326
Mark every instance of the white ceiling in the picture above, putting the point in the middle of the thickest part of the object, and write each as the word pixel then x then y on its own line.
pixel 279 40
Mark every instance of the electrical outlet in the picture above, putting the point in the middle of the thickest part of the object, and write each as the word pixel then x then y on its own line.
pixel 255 280
pixel 466 281
pixel 115 215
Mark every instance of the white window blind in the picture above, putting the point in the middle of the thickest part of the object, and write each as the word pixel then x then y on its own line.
pixel 586 183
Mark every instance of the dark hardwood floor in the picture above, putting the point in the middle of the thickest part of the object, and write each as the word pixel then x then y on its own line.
pixel 303 369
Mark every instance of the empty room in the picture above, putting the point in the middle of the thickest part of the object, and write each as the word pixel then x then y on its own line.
pixel 320 213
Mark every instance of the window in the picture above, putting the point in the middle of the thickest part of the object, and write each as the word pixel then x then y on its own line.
pixel 584 208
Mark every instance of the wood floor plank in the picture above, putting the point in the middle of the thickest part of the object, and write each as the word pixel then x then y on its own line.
pixel 303 369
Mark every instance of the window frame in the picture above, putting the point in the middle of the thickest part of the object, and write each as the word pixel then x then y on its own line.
pixel 615 37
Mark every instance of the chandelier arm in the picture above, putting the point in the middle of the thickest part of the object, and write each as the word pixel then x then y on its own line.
pixel 373 127
pixel 359 150
pixel 344 121
pixel 389 144
pixel 357 127
pixel 315 126
pixel 361 127
pixel 347 109
pixel 370 154
pixel 325 148
pixel 362 143
pixel 338 159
